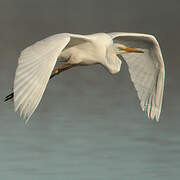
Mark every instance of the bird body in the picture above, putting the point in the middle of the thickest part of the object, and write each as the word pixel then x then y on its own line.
pixel 90 52
pixel 141 52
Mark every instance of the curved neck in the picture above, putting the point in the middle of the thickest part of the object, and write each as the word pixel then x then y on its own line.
pixel 113 63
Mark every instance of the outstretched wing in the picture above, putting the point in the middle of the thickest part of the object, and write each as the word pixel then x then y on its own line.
pixel 146 70
pixel 35 66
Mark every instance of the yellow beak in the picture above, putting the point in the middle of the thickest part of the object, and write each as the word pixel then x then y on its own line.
pixel 132 50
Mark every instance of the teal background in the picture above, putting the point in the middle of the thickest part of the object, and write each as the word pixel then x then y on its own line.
pixel 89 124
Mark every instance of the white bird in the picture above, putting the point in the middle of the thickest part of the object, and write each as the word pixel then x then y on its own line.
pixel 141 52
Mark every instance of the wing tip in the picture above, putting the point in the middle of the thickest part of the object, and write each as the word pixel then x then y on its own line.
pixel 153 113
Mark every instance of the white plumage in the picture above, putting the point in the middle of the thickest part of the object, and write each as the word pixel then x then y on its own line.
pixel 140 51
pixel 146 70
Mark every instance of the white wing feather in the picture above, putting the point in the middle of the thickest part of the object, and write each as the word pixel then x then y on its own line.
pixel 34 68
pixel 146 70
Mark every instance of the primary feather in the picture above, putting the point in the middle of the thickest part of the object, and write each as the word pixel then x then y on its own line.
pixel 146 70
pixel 34 69
pixel 35 66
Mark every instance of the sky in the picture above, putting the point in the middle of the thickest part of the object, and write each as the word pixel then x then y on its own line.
pixel 99 94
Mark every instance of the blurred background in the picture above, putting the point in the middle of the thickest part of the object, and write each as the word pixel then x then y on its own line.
pixel 89 124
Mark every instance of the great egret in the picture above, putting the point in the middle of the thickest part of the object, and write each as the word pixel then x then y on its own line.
pixel 36 65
